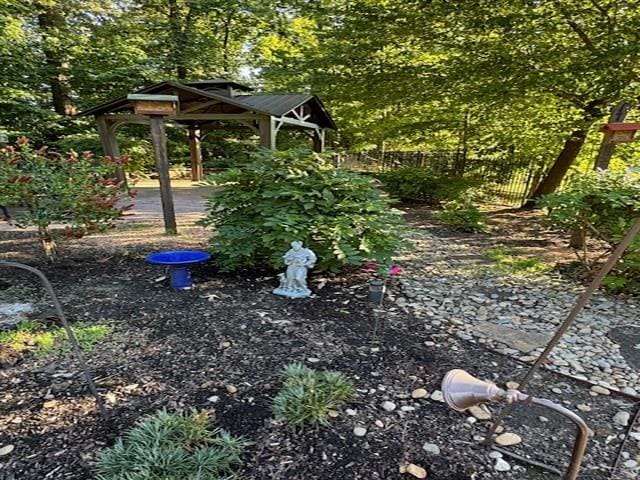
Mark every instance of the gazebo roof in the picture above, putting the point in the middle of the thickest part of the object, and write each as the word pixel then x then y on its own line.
pixel 223 95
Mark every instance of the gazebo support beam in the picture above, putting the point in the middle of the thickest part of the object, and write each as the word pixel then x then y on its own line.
pixel 109 142
pixel 159 140
pixel 196 154
pixel 268 132
pixel 318 140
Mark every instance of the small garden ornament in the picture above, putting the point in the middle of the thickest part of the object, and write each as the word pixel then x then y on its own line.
pixel 293 283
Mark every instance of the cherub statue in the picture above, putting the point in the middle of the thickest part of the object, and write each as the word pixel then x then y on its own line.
pixel 293 283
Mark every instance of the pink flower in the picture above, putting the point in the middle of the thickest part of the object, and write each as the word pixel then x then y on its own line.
pixel 22 140
pixel 395 270
pixel 371 267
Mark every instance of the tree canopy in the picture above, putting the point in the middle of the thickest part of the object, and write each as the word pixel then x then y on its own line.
pixel 497 75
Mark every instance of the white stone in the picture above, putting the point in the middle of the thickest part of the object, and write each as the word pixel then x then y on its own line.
pixel 388 406
pixel 501 465
pixel 359 431
pixel 621 418
pixel 431 448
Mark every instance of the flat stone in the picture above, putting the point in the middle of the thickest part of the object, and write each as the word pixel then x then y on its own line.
pixel 416 471
pixel 437 396
pixel 501 465
pixel 508 439
pixel 584 408
pixel 520 340
pixel 495 454
pixel 231 388
pixel 359 431
pixel 388 406
pixel 351 412
pixel 6 450
pixel 431 448
pixel 631 464
pixel 419 393
pixel 621 418
pixel 600 390
pixel 480 412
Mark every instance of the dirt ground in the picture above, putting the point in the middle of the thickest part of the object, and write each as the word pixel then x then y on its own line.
pixel 165 352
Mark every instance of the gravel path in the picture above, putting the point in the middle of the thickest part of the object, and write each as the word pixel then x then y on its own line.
pixel 451 285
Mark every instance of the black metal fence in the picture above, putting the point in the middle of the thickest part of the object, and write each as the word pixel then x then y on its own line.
pixel 506 178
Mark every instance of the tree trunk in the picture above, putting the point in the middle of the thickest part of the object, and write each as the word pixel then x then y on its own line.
pixel 52 24
pixel 607 147
pixel 557 172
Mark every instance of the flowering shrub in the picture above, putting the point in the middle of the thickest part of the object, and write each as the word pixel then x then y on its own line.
pixel 76 191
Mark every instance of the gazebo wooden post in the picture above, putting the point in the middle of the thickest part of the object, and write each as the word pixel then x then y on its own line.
pixel 196 154
pixel 268 132
pixel 159 140
pixel 318 140
pixel 109 143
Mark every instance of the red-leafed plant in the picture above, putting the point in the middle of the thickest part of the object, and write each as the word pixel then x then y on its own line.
pixel 77 192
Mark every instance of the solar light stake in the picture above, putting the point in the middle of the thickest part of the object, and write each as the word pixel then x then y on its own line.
pixel 461 391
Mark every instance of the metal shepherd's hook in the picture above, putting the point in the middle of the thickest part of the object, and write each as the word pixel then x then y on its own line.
pixel 72 338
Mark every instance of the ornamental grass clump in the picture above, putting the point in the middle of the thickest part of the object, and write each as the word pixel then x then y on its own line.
pixel 172 447
pixel 261 206
pixel 308 396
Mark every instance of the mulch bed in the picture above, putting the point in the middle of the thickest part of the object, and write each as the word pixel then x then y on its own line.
pixel 166 352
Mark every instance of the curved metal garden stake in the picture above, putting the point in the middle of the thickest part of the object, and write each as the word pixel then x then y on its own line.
pixel 72 338
pixel 582 301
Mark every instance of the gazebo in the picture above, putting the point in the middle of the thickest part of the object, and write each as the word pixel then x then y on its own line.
pixel 201 106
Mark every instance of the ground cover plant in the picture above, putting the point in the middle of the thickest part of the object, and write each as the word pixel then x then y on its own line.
pixel 309 396
pixel 509 261
pixel 281 196
pixel 601 206
pixel 77 191
pixel 44 339
pixel 165 446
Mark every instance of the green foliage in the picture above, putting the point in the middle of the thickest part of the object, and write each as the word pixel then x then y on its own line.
pixel 307 396
pixel 168 446
pixel 604 206
pixel 509 262
pixel 44 339
pixel 464 216
pixel 423 185
pixel 281 196
pixel 74 190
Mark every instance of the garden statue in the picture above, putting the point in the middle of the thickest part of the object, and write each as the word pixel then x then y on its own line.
pixel 293 283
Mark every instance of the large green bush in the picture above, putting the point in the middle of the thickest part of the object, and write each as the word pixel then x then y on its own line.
pixel 603 206
pixel 258 208
pixel 423 185
pixel 172 447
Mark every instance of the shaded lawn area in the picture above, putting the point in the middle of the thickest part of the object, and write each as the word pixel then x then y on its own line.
pixel 167 352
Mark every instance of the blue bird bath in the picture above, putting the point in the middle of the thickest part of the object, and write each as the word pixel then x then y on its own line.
pixel 179 262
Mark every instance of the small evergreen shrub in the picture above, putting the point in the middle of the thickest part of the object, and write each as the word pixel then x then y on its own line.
pixel 172 447
pixel 281 196
pixel 307 396
pixel 603 206
pixel 423 185
pixel 464 216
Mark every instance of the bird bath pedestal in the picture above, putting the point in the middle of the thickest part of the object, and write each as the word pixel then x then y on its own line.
pixel 179 263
